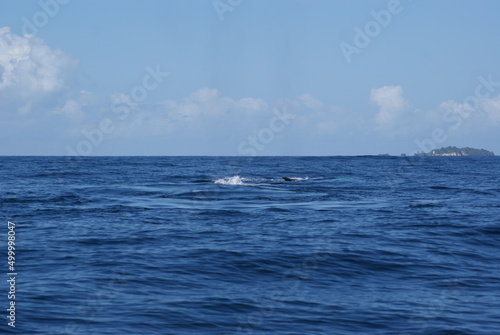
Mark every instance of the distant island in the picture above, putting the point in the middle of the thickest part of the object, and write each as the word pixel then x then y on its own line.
pixel 454 151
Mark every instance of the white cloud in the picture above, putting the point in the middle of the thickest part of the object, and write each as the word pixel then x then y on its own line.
pixel 315 117
pixel 250 105
pixel 454 107
pixel 492 109
pixel 71 109
pixel 74 108
pixel 33 77
pixel 462 117
pixel 310 102
pixel 203 111
pixel 122 99
pixel 207 115
pixel 207 103
pixel 27 63
pixel 391 102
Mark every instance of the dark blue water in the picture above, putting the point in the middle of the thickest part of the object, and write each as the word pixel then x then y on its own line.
pixel 181 245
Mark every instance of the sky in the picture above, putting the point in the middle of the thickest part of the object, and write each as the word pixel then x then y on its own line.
pixel 248 77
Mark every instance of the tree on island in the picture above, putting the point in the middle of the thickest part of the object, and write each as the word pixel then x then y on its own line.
pixel 454 151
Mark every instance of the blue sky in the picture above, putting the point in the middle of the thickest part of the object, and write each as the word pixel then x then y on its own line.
pixel 241 77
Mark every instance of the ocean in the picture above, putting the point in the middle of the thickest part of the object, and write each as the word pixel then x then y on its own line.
pixel 223 245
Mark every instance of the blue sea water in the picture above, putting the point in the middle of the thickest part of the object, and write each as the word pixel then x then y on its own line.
pixel 222 245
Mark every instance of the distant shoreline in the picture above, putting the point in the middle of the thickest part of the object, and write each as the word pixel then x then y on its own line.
pixel 454 152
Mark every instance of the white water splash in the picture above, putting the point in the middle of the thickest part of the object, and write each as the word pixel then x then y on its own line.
pixel 235 180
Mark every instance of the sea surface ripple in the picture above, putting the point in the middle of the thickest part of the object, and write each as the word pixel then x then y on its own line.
pixel 223 245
